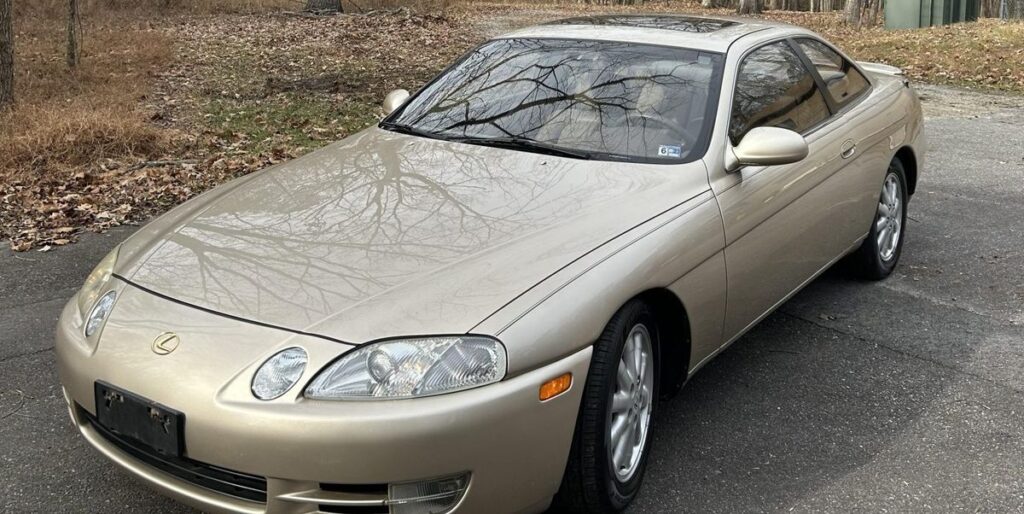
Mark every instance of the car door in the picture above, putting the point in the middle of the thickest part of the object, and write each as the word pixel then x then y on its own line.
pixel 871 131
pixel 784 223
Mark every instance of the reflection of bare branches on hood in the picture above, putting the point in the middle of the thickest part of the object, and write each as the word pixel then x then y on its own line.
pixel 332 228
pixel 379 211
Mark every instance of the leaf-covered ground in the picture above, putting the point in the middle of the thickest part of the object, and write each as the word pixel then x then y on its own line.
pixel 242 92
pixel 988 54
pixel 166 107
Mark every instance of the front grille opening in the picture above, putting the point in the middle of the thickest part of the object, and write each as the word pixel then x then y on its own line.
pixel 361 509
pixel 357 490
pixel 225 481
pixel 374 489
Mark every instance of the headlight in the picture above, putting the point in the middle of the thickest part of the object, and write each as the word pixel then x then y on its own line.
pixel 96 283
pixel 99 313
pixel 279 373
pixel 411 368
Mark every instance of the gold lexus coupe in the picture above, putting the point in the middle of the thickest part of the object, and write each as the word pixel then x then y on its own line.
pixel 477 304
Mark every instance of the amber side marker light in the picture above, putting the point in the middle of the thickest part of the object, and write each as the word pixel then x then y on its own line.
pixel 555 386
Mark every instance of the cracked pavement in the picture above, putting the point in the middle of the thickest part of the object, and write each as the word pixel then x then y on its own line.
pixel 903 395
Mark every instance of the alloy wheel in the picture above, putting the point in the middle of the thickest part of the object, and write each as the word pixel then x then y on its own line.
pixel 631 403
pixel 889 218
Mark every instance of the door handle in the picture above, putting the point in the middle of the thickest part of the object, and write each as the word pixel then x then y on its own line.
pixel 848 149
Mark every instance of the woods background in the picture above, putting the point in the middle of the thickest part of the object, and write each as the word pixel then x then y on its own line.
pixel 989 8
pixel 112 111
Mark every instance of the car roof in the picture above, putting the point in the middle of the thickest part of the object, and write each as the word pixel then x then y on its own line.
pixel 709 33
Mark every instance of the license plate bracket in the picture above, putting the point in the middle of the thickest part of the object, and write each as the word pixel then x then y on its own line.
pixel 150 423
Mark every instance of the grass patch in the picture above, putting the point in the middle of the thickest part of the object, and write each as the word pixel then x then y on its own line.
pixel 68 127
pixel 74 118
pixel 296 121
pixel 164 107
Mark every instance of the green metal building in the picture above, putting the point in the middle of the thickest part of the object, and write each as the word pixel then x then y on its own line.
pixel 912 14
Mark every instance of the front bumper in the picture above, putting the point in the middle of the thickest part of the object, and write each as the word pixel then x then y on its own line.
pixel 317 455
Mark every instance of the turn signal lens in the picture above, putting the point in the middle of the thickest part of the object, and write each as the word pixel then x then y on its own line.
pixel 555 386
pixel 428 497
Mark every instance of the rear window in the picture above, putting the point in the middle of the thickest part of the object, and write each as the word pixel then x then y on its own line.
pixel 842 80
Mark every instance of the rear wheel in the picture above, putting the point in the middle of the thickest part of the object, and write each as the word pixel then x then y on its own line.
pixel 880 251
pixel 611 444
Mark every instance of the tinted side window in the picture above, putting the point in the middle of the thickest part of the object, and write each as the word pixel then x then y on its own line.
pixel 843 81
pixel 774 89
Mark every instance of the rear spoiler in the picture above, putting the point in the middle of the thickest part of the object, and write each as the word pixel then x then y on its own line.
pixel 884 69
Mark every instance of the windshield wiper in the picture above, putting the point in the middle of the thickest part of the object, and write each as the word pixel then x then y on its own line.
pixel 406 129
pixel 522 143
pixel 510 142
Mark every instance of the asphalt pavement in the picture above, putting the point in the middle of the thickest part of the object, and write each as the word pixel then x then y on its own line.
pixel 899 396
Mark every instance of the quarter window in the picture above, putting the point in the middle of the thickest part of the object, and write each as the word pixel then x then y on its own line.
pixel 841 78
pixel 774 89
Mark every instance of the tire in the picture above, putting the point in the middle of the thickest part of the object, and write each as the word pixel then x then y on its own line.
pixel 592 482
pixel 878 254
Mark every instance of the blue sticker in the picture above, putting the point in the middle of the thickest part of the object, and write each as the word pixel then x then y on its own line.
pixel 670 151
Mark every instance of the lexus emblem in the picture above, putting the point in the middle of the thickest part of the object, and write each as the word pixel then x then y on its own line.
pixel 165 343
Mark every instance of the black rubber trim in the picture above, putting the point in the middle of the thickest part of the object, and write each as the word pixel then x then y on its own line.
pixel 220 480
pixel 354 509
pixel 230 316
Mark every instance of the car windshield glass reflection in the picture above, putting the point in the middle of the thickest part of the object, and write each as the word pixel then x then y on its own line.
pixel 583 99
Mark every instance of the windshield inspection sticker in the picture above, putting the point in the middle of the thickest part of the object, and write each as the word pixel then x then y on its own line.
pixel 670 151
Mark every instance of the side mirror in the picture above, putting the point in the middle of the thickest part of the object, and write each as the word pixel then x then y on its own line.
pixel 394 100
pixel 766 146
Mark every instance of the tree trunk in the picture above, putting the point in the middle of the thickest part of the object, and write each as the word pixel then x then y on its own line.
pixel 876 8
pixel 74 49
pixel 853 12
pixel 748 7
pixel 6 55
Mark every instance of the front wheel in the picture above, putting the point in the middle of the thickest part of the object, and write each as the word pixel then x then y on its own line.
pixel 880 251
pixel 612 440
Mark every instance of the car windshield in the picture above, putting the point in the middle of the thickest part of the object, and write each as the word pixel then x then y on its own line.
pixel 586 99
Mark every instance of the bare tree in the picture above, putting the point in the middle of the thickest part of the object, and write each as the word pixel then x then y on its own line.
pixel 6 55
pixel 74 47
pixel 749 7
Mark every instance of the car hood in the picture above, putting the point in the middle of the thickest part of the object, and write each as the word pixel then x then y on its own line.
pixel 385 234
